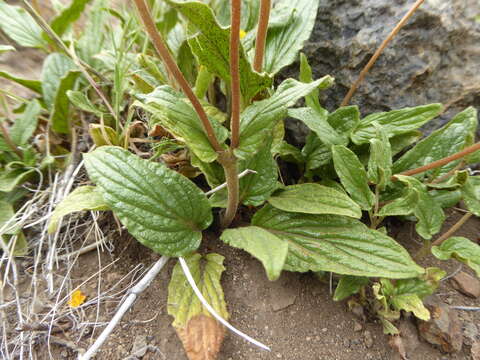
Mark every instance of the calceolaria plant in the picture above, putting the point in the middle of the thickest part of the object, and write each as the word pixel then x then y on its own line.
pixel 213 111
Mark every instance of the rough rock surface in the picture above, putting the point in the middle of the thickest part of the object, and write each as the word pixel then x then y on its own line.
pixel 434 58
pixel 466 284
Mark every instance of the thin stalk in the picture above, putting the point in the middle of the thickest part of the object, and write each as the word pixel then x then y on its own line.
pixel 441 162
pixel 379 51
pixel 171 65
pixel 230 167
pixel 235 71
pixel 261 35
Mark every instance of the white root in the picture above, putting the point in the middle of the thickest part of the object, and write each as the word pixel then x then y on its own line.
pixel 204 302
pixel 133 294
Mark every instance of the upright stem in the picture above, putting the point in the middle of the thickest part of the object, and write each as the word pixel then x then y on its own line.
pixel 172 66
pixel 230 167
pixel 261 35
pixel 235 71
pixel 379 51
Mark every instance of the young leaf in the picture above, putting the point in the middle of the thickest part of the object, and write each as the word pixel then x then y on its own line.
pixel 68 16
pixel 33 85
pixel 60 116
pixel 81 101
pixel 345 119
pixel 335 243
pixel 201 334
pixel 286 40
pixel 160 208
pixel 258 120
pixel 317 122
pixel 353 176
pixel 315 152
pixel 12 177
pixel 451 138
pixel 380 161
pixel 395 122
pixel 103 135
pixel 25 125
pixel 261 244
pixel 471 194
pixel 400 142
pixel 55 67
pixel 348 286
pixel 211 47
pixel 461 249
pixel 173 111
pixel 306 76
pixel 81 199
pixel 20 26
pixel 314 199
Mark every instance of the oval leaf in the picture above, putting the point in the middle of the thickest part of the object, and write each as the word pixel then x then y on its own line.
pixel 460 248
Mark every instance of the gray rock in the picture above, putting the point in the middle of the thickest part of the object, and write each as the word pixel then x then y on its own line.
pixel 470 333
pixel 466 284
pixel 434 58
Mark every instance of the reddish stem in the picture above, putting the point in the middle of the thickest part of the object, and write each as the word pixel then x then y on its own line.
pixel 261 35
pixel 172 66
pixel 235 71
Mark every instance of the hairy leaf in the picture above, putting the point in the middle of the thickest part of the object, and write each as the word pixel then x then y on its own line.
pixel 60 116
pixel 348 286
pixel 306 76
pixel 395 122
pixel 380 161
pixel 26 124
pixel 160 208
pixel 314 199
pixel 20 26
pixel 55 67
pixel 451 138
pixel 353 176
pixel 201 334
pixel 335 243
pixel 81 101
pixel 259 119
pixel 461 249
pixel 261 244
pixel 471 194
pixel 285 41
pixel 81 199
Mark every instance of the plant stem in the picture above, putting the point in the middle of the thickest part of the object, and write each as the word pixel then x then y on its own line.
pixel 379 51
pixel 172 66
pixel 441 162
pixel 235 71
pixel 261 35
pixel 230 167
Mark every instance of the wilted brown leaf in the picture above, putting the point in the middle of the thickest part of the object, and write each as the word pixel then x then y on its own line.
pixel 202 337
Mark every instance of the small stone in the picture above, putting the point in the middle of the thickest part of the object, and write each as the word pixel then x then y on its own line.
pixel 475 350
pixel 466 284
pixel 443 328
pixel 368 339
pixel 279 355
pixel 308 338
pixel 324 330
pixel 470 333
pixel 357 326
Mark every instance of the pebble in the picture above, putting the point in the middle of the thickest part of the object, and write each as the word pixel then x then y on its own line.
pixel 368 339
pixel 357 326
pixel 470 333
pixel 466 284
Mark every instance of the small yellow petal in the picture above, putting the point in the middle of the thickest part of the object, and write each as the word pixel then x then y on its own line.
pixel 77 298
pixel 242 34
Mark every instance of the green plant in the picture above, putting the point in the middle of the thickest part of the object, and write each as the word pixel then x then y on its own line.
pixel 349 166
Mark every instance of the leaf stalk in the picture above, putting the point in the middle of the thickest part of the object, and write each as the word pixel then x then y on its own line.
pixel 263 19
pixel 235 71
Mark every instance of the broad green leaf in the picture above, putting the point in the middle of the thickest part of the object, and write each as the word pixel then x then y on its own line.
pixel 380 161
pixel 81 101
pixel 81 199
pixel 284 42
pixel 174 112
pixel 348 286
pixel 471 194
pixel 183 304
pixel 449 139
pixel 11 178
pixel 315 152
pixel 461 249
pixel 417 201
pixel 455 181
pixel 422 286
pixel 314 199
pixel 261 244
pixel 306 76
pixel 211 47
pixel 212 171
pixel 255 189
pixel 317 122
pixel 336 243
pixel 6 48
pixel 33 85
pixel 290 153
pixel 68 16
pixel 25 125
pixel 160 208
pixel 60 116
pixel 412 303
pixel 345 119
pixel 55 67
pixel 353 176
pixel 93 37
pixel 395 122
pixel 20 26
pixel 446 198
pixel 259 119
pixel 400 142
